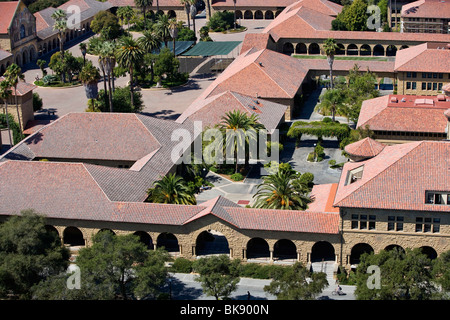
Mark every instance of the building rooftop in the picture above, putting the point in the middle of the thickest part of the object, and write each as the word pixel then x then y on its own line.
pixel 397 178
pixel 22 87
pixel 425 57
pixel 401 113
pixel 365 148
pixel 8 9
pixel 427 9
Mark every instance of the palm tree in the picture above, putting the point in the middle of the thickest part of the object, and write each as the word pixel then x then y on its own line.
pixel 330 47
pixel 173 29
pixel 187 8
pixel 193 14
pixel 107 59
pixel 282 190
pixel 149 41
pixel 125 14
pixel 237 120
pixel 60 17
pixel 5 93
pixel 332 101
pixel 83 49
pixel 90 76
pixel 171 189
pixel 143 4
pixel 162 28
pixel 129 55
pixel 13 75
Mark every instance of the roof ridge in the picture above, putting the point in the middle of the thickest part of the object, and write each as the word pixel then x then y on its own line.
pixel 417 143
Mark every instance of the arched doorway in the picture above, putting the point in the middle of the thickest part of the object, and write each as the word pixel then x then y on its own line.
pixel 288 48
pixel 300 48
pixel 248 14
pixel 106 230
pixel 73 236
pixel 145 238
pixel 429 252
pixel 285 249
pixel 168 241
pixel 352 50
pixel 52 229
pixel 268 15
pixel 314 48
pixel 211 242
pixel 277 13
pixel 322 251
pixel 358 250
pixel 378 50
pixel 394 247
pixel 391 51
pixel 365 50
pixel 340 51
pixel 259 15
pixel 258 248
pixel 171 14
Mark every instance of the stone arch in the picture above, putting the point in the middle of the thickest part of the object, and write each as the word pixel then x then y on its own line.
pixel 258 15
pixel 258 248
pixel 18 59
pixel 238 14
pixel 73 236
pixel 285 249
pixel 352 49
pixel 106 230
pixel 51 228
pixel 358 250
pixel 211 242
pixel 171 14
pixel 340 51
pixel 365 50
pixel 145 238
pixel 268 15
pixel 378 50
pixel 394 247
pixel 32 51
pixel 169 241
pixel 248 14
pixel 25 57
pixel 314 48
pixel 288 48
pixel 301 48
pixel 404 47
pixel 322 250
pixel 391 51
pixel 159 13
pixel 429 252
pixel 277 13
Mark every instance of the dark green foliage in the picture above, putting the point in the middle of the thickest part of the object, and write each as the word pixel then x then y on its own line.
pixel 13 125
pixel 319 129
pixel 107 25
pixel 186 34
pixel 221 21
pixel 237 176
pixel 37 102
pixel 43 4
pixel 121 100
pixel 182 265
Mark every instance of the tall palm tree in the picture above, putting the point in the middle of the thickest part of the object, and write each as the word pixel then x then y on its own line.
pixel 162 28
pixel 129 55
pixel 107 59
pixel 187 8
pixel 237 120
pixel 332 101
pixel 83 49
pixel 143 4
pixel 125 14
pixel 90 76
pixel 5 93
pixel 193 14
pixel 282 190
pixel 173 29
pixel 171 189
pixel 149 41
pixel 13 75
pixel 330 47
pixel 60 25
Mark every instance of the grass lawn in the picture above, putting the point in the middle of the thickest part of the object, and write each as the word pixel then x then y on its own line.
pixel 341 58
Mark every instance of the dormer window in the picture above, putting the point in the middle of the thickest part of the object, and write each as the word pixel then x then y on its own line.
pixel 435 197
pixel 354 175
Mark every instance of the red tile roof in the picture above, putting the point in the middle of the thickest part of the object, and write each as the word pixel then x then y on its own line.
pixel 173 4
pixel 423 58
pixel 427 9
pixel 211 110
pixel 265 72
pixel 252 3
pixel 8 9
pixel 323 198
pixel 365 148
pixel 94 136
pixel 258 41
pixel 22 87
pixel 382 114
pixel 398 178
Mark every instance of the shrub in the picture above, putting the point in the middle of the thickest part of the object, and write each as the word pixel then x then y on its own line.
pixel 50 79
pixel 332 162
pixel 37 102
pixel 221 21
pixel 182 265
pixel 237 177
pixel 258 271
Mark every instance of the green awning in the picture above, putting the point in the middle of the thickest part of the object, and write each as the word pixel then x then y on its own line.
pixel 212 48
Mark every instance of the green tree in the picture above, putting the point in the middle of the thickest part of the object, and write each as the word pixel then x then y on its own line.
pixel 162 28
pixel 129 56
pixel 171 189
pixel 441 270
pixel 83 49
pixel 143 5
pixel 332 101
pixel 283 190
pixel 294 284
pixel 353 17
pixel 125 14
pixel 404 275
pixel 5 94
pixel 29 253
pixel 41 64
pixel 60 25
pixel 166 65
pixel 13 75
pixel 187 8
pixel 330 47
pixel 123 264
pixel 218 275
pixel 106 24
pixel 90 76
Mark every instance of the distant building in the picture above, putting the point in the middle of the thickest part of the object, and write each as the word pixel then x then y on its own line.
pixel 426 16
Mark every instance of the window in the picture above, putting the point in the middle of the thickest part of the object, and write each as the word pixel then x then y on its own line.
pixel 441 75
pixel 395 223
pixel 408 85
pixel 434 75
pixel 438 198
pixel 363 221
pixel 424 75
pixel 428 224
pixel 434 86
pixel 429 75
pixel 424 86
pixel 440 86
pixel 428 85
pixel 408 74
pixel 414 74
pixel 414 85
pixel 22 31
pixel 354 175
